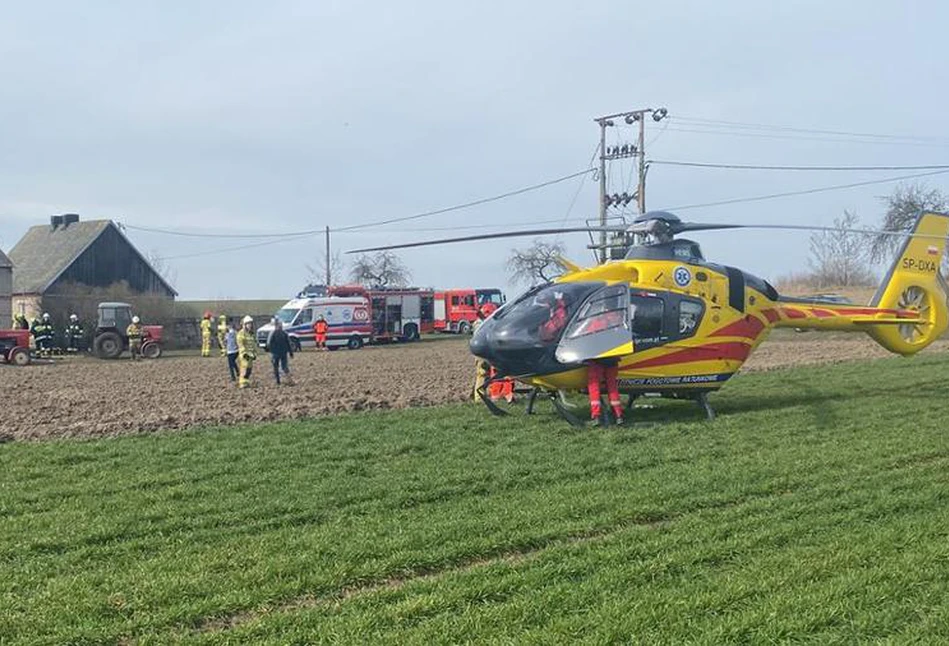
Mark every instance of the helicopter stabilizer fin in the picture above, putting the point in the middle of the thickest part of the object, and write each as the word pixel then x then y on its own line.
pixel 914 283
pixel 569 266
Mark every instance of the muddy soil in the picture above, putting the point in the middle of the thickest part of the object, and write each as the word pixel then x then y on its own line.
pixel 91 398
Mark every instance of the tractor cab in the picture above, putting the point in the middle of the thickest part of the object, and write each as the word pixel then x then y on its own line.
pixel 111 338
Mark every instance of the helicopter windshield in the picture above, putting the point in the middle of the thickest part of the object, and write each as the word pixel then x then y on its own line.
pixel 523 335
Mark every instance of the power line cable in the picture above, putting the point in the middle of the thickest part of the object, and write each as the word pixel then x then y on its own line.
pixel 765 135
pixel 840 133
pixel 822 189
pixel 466 205
pixel 666 162
pixel 295 234
pixel 212 252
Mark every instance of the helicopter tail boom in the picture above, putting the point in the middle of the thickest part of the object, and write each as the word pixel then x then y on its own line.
pixel 914 284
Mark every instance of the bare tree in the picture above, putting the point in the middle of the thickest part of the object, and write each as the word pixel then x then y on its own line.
pixel 317 271
pixel 536 264
pixel 382 269
pixel 162 267
pixel 902 208
pixel 840 258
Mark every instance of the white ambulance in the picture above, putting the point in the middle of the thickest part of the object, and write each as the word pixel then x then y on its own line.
pixel 348 319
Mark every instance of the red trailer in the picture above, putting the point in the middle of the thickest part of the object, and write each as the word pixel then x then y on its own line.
pixel 457 309
pixel 397 314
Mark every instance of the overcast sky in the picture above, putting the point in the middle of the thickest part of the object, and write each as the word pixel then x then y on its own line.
pixel 243 117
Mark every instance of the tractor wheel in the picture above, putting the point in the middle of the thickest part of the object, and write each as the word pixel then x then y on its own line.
pixel 108 345
pixel 19 357
pixel 151 350
pixel 354 343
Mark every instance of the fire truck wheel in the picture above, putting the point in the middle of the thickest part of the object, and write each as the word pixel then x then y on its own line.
pixel 464 327
pixel 410 332
pixel 19 357
pixel 354 343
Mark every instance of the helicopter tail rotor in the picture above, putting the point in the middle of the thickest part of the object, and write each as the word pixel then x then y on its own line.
pixel 914 284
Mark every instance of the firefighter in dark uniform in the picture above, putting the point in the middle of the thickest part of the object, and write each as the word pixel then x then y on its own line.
pixel 74 334
pixel 43 335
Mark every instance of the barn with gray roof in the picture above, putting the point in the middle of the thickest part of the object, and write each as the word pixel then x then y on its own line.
pixel 68 251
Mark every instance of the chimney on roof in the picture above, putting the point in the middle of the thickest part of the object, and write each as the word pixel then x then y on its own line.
pixel 70 218
pixel 55 221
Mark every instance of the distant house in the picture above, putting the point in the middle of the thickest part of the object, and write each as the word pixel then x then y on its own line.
pixel 6 291
pixel 93 253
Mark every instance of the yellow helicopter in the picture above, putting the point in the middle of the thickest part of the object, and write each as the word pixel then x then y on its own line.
pixel 665 321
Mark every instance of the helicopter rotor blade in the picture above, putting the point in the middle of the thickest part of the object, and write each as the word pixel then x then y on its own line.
pixel 491 236
pixel 807 227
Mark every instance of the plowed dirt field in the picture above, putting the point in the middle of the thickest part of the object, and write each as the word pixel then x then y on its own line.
pixel 81 397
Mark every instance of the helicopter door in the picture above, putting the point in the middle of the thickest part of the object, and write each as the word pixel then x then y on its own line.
pixel 601 325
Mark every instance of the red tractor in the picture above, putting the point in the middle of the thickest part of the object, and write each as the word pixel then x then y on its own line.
pixel 111 340
pixel 15 347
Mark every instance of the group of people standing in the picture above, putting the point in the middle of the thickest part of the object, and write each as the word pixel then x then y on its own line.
pixel 44 334
pixel 240 345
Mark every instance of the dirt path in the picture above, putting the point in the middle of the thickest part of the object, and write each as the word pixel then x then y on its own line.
pixel 86 397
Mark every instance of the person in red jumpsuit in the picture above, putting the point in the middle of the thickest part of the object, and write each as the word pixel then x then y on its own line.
pixel 557 319
pixel 501 389
pixel 600 370
pixel 320 328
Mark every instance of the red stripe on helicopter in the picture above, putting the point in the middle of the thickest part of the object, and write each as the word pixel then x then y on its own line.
pixel 736 351
pixel 749 327
pixel 852 311
pixel 793 314
pixel 771 315
pixel 823 314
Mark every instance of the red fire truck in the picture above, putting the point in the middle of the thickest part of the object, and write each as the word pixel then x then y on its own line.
pixel 457 309
pixel 397 314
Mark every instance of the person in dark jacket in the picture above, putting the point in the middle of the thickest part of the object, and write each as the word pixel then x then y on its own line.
pixel 279 347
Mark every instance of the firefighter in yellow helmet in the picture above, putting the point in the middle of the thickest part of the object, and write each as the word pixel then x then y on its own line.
pixel 246 351
pixel 206 335
pixel 134 333
pixel 221 333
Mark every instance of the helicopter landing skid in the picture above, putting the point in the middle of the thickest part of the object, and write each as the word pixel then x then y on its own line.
pixel 702 400
pixel 531 398
pixel 496 410
pixel 570 418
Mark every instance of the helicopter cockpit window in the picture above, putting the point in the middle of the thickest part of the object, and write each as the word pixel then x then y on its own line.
pixel 690 313
pixel 645 315
pixel 541 314
pixel 605 310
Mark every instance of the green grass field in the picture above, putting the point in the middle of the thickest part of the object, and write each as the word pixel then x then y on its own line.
pixel 814 509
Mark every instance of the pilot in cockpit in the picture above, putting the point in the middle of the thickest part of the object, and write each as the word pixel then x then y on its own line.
pixel 556 320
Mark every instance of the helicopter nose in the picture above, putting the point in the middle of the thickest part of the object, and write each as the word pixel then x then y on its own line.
pixel 512 349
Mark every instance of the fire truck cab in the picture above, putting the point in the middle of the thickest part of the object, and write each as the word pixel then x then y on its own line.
pixel 457 309
pixel 397 314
